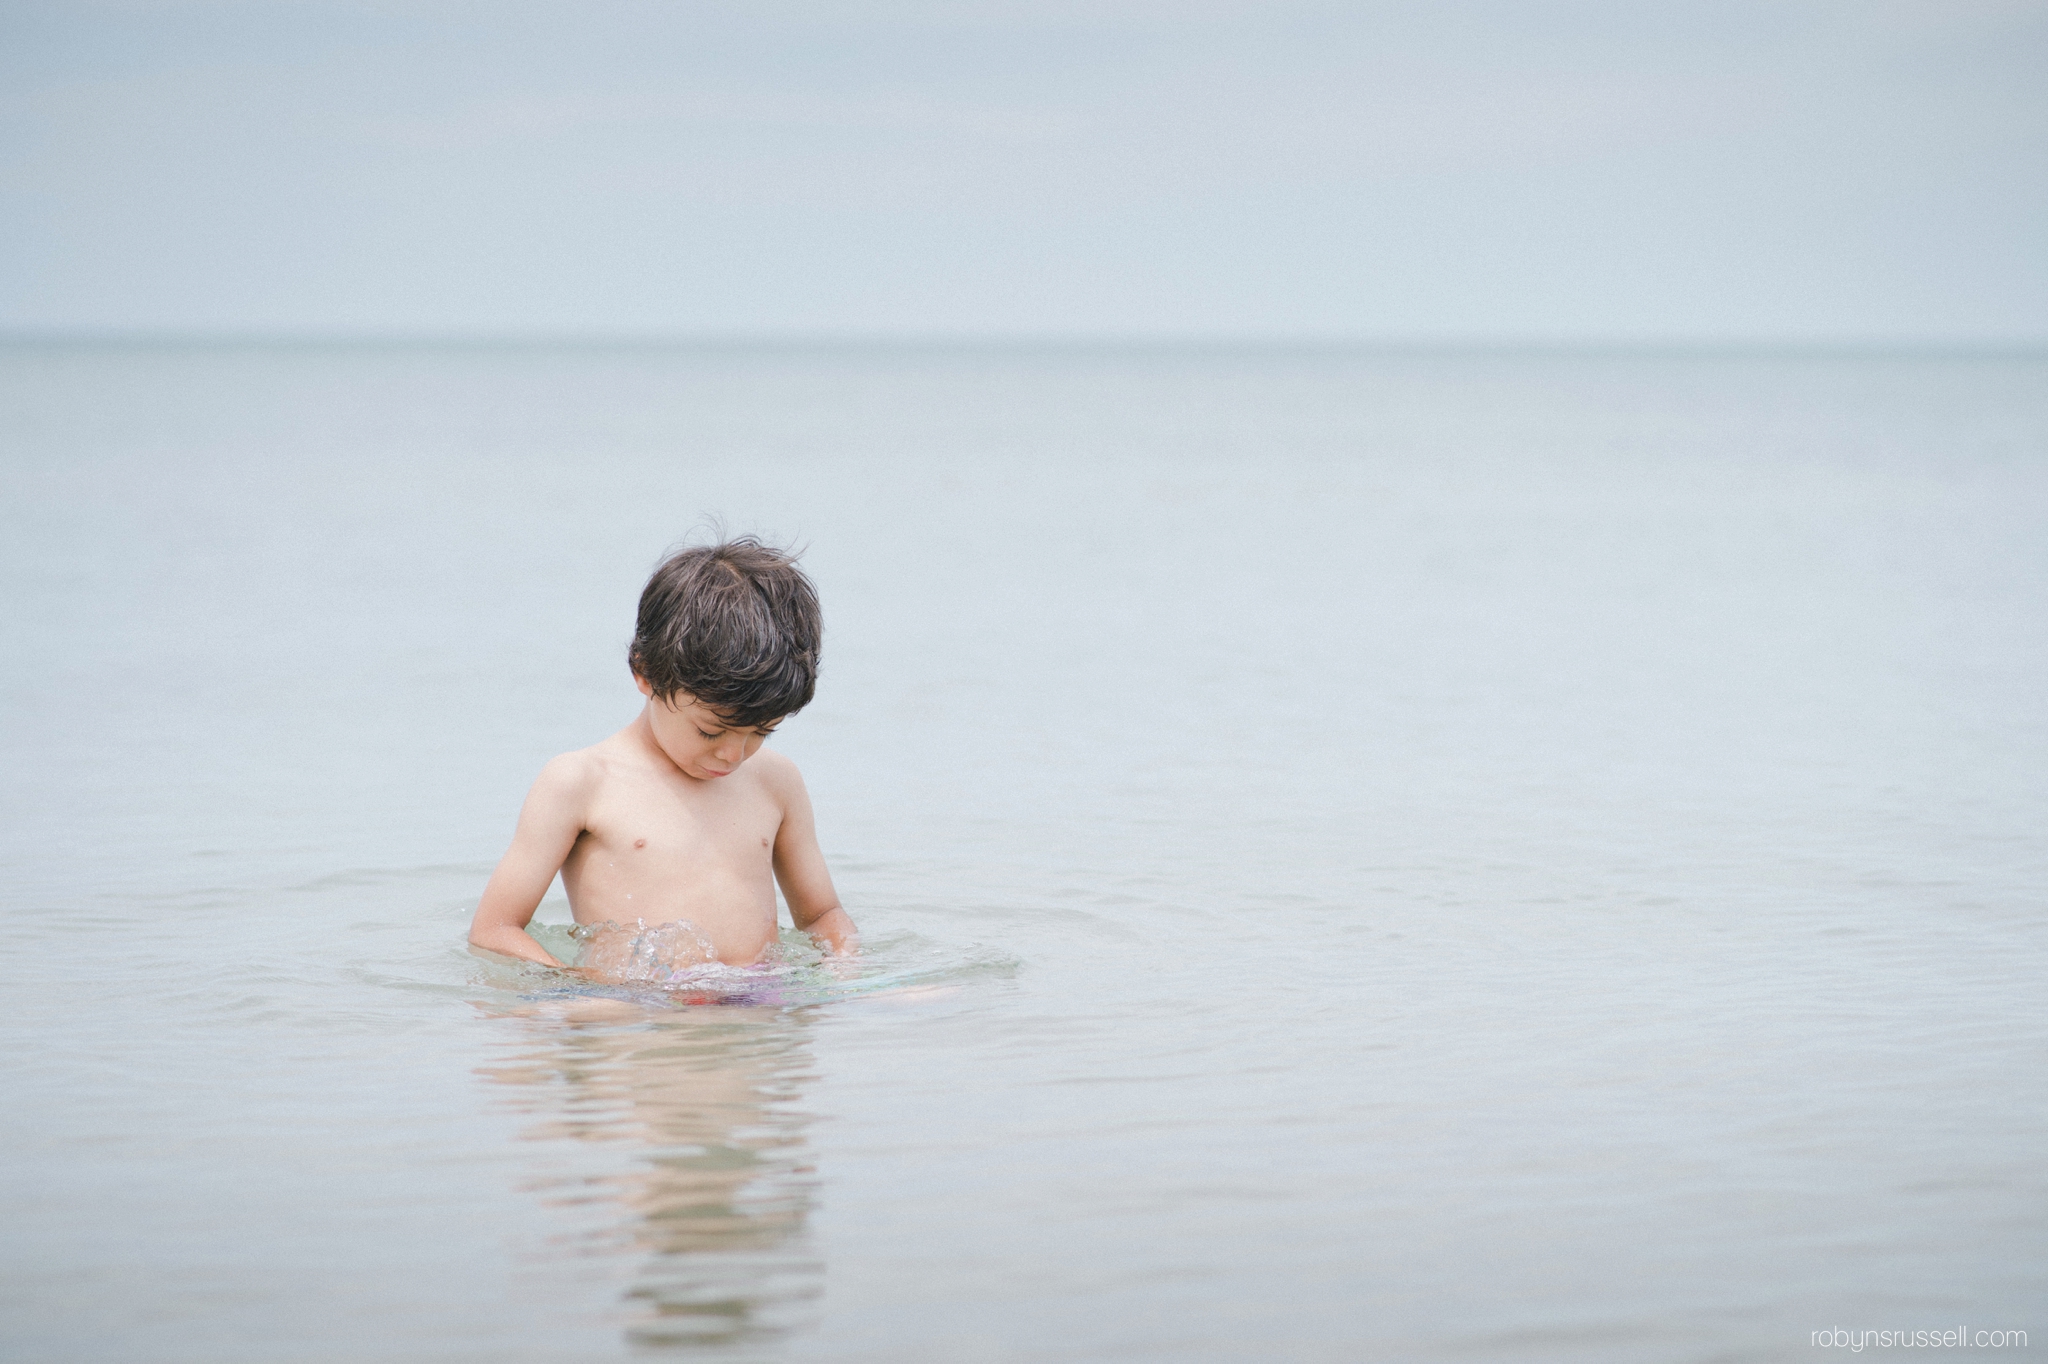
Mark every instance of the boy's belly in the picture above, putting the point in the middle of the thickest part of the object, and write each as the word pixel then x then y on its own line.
pixel 731 915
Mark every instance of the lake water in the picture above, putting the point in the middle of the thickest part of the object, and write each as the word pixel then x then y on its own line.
pixel 1364 856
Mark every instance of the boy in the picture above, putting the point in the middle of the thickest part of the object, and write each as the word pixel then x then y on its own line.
pixel 682 815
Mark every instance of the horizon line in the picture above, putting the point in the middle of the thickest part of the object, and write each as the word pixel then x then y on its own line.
pixel 514 339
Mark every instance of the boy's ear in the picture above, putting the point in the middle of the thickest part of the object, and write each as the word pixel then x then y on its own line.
pixel 646 687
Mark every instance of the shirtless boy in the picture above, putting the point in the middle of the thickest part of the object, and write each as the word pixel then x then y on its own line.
pixel 682 815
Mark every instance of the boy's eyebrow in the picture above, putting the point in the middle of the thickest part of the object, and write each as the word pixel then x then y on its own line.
pixel 722 724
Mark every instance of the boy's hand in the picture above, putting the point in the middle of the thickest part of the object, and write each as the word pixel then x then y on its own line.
pixel 834 931
pixel 509 941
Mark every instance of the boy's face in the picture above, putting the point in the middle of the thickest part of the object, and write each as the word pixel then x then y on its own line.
pixel 696 739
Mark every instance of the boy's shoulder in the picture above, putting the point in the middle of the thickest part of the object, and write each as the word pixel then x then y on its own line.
pixel 778 770
pixel 573 773
pixel 578 774
pixel 582 770
pixel 774 775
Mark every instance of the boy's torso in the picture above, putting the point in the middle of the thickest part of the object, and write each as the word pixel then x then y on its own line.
pixel 660 846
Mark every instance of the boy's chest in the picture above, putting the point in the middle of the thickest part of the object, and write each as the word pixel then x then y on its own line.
pixel 658 825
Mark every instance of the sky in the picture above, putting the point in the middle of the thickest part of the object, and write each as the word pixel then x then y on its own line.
pixel 1786 171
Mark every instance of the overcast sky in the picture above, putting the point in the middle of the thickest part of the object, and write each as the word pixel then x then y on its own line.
pixel 1782 170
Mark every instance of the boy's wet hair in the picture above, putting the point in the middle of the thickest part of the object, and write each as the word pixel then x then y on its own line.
pixel 733 626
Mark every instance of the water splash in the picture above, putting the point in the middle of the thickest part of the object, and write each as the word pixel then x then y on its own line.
pixel 642 953
pixel 668 965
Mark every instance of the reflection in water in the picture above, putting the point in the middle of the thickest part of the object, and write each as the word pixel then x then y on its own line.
pixel 715 1187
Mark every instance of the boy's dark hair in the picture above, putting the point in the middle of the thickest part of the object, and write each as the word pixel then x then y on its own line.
pixel 734 626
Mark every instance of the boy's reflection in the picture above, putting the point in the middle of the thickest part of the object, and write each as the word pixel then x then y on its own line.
pixel 718 1188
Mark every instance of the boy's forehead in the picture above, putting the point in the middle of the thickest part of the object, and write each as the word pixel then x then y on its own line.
pixel 718 717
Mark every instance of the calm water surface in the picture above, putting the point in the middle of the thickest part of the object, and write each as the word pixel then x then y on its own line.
pixel 1364 857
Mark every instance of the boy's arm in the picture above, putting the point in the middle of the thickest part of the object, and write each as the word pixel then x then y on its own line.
pixel 800 868
pixel 549 824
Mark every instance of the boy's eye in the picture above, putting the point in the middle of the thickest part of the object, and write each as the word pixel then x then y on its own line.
pixel 709 734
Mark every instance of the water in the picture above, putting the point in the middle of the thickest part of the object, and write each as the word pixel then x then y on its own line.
pixel 1364 856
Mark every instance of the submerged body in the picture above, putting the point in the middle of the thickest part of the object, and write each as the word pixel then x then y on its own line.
pixel 678 817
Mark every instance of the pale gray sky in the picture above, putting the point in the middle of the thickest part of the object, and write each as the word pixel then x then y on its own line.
pixel 1868 170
